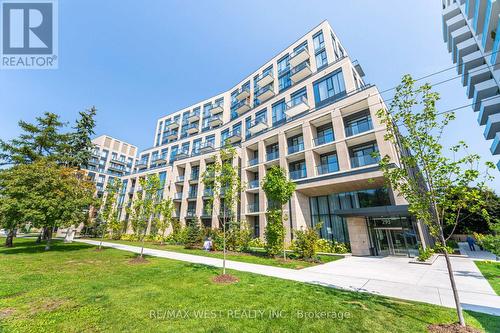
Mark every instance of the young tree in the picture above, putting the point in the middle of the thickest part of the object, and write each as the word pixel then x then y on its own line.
pixel 41 139
pixel 224 181
pixel 145 206
pixel 167 209
pixel 279 191
pixel 46 195
pixel 108 214
pixel 436 187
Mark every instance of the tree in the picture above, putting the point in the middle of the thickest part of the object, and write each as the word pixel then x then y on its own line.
pixel 194 234
pixel 279 191
pixel 41 139
pixel 46 195
pixel 108 214
pixel 437 188
pixel 224 181
pixel 78 145
pixel 167 209
pixel 145 206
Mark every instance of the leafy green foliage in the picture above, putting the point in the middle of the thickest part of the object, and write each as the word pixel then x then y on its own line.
pixel 194 235
pixel 275 232
pixel 489 243
pixel 44 195
pixel 77 149
pixel 305 243
pixel 425 254
pixel 327 246
pixel 109 211
pixel 166 209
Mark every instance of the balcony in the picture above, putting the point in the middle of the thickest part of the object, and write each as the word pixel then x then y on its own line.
pixel 257 125
pixel 193 129
pixel 117 161
pixel 194 178
pixel 192 195
pixel 265 93
pixel 324 139
pixel 194 116
pixel 300 72
pixel 183 153
pixel 217 109
pixel 358 128
pixel 177 196
pixel 242 93
pixel 253 161
pixel 180 179
pixel 299 57
pixel 327 168
pixel 264 79
pixel 116 168
pixel 234 136
pixel 296 106
pixel 173 125
pixel 253 208
pixel 274 155
pixel 172 135
pixel 359 161
pixel 190 213
pixel 207 146
pixel 295 148
pixel 253 184
pixel 142 165
pixel 298 174
pixel 215 121
pixel 161 159
pixel 93 161
pixel 241 107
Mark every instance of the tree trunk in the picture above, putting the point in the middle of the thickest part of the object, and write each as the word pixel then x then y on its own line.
pixel 453 285
pixel 10 238
pixel 284 233
pixel 49 238
pixel 224 242
pixel 40 235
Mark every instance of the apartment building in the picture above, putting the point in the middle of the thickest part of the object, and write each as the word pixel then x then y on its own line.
pixel 471 31
pixel 309 111
pixel 111 158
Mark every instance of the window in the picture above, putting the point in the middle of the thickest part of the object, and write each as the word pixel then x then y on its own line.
pixel 300 47
pixel 278 112
pixel 318 41
pixel 295 144
pixel 196 146
pixel 299 97
pixel 185 148
pixel 329 88
pixel 297 169
pixel 284 81
pixel 248 123
pixel 358 123
pixel 210 138
pixel 158 135
pixel 328 163
pixel 321 59
pixel 261 115
pixel 173 153
pixel 224 136
pixel 237 128
pixel 283 64
pixel 362 155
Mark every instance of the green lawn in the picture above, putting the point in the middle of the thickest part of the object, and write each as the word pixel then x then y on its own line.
pixel 491 271
pixel 73 288
pixel 256 257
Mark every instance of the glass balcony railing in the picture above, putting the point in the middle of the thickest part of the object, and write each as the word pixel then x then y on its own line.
pixel 207 146
pixel 272 155
pixel 327 168
pixel 253 207
pixel 359 161
pixel 296 148
pixel 195 176
pixel 177 196
pixel 192 195
pixel 298 174
pixel 358 128
pixel 190 213
pixel 323 139
pixel 180 179
pixel 208 192
pixel 253 183
pixel 253 161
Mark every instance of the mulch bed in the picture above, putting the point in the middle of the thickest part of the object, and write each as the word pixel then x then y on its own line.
pixel 225 279
pixel 451 328
pixel 138 260
pixel 99 249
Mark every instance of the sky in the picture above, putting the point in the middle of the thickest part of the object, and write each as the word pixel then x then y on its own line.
pixel 139 60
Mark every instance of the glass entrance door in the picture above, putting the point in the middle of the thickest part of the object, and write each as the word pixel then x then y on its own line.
pixel 390 241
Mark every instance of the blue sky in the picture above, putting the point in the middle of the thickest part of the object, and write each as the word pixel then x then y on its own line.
pixel 139 60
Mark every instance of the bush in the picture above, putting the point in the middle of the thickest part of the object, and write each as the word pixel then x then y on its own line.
pixel 451 243
pixel 129 237
pixel 194 235
pixel 424 254
pixel 256 242
pixel 305 242
pixel 340 248
pixel 327 246
pixel 440 248
pixel 489 243
pixel 274 232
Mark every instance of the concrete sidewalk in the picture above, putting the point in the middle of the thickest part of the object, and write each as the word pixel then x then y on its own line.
pixel 390 276
pixel 475 255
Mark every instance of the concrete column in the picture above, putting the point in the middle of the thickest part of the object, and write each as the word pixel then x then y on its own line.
pixel 282 150
pixel 358 236
pixel 343 156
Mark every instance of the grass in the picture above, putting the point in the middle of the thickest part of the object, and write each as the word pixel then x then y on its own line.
pixel 491 271
pixel 254 257
pixel 73 288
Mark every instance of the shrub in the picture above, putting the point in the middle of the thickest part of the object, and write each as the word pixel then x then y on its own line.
pixel 194 235
pixel 274 232
pixel 128 237
pixel 340 248
pixel 324 245
pixel 451 243
pixel 489 242
pixel 256 242
pixel 424 254
pixel 305 242
pixel 440 248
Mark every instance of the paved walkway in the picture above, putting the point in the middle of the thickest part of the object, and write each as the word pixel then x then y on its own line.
pixel 475 255
pixel 389 276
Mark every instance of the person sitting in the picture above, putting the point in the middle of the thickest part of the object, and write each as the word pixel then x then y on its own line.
pixel 207 245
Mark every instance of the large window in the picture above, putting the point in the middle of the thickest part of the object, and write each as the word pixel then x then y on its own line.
pixel 321 59
pixel 364 155
pixel 318 41
pixel 278 112
pixel 329 88
pixel 284 81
